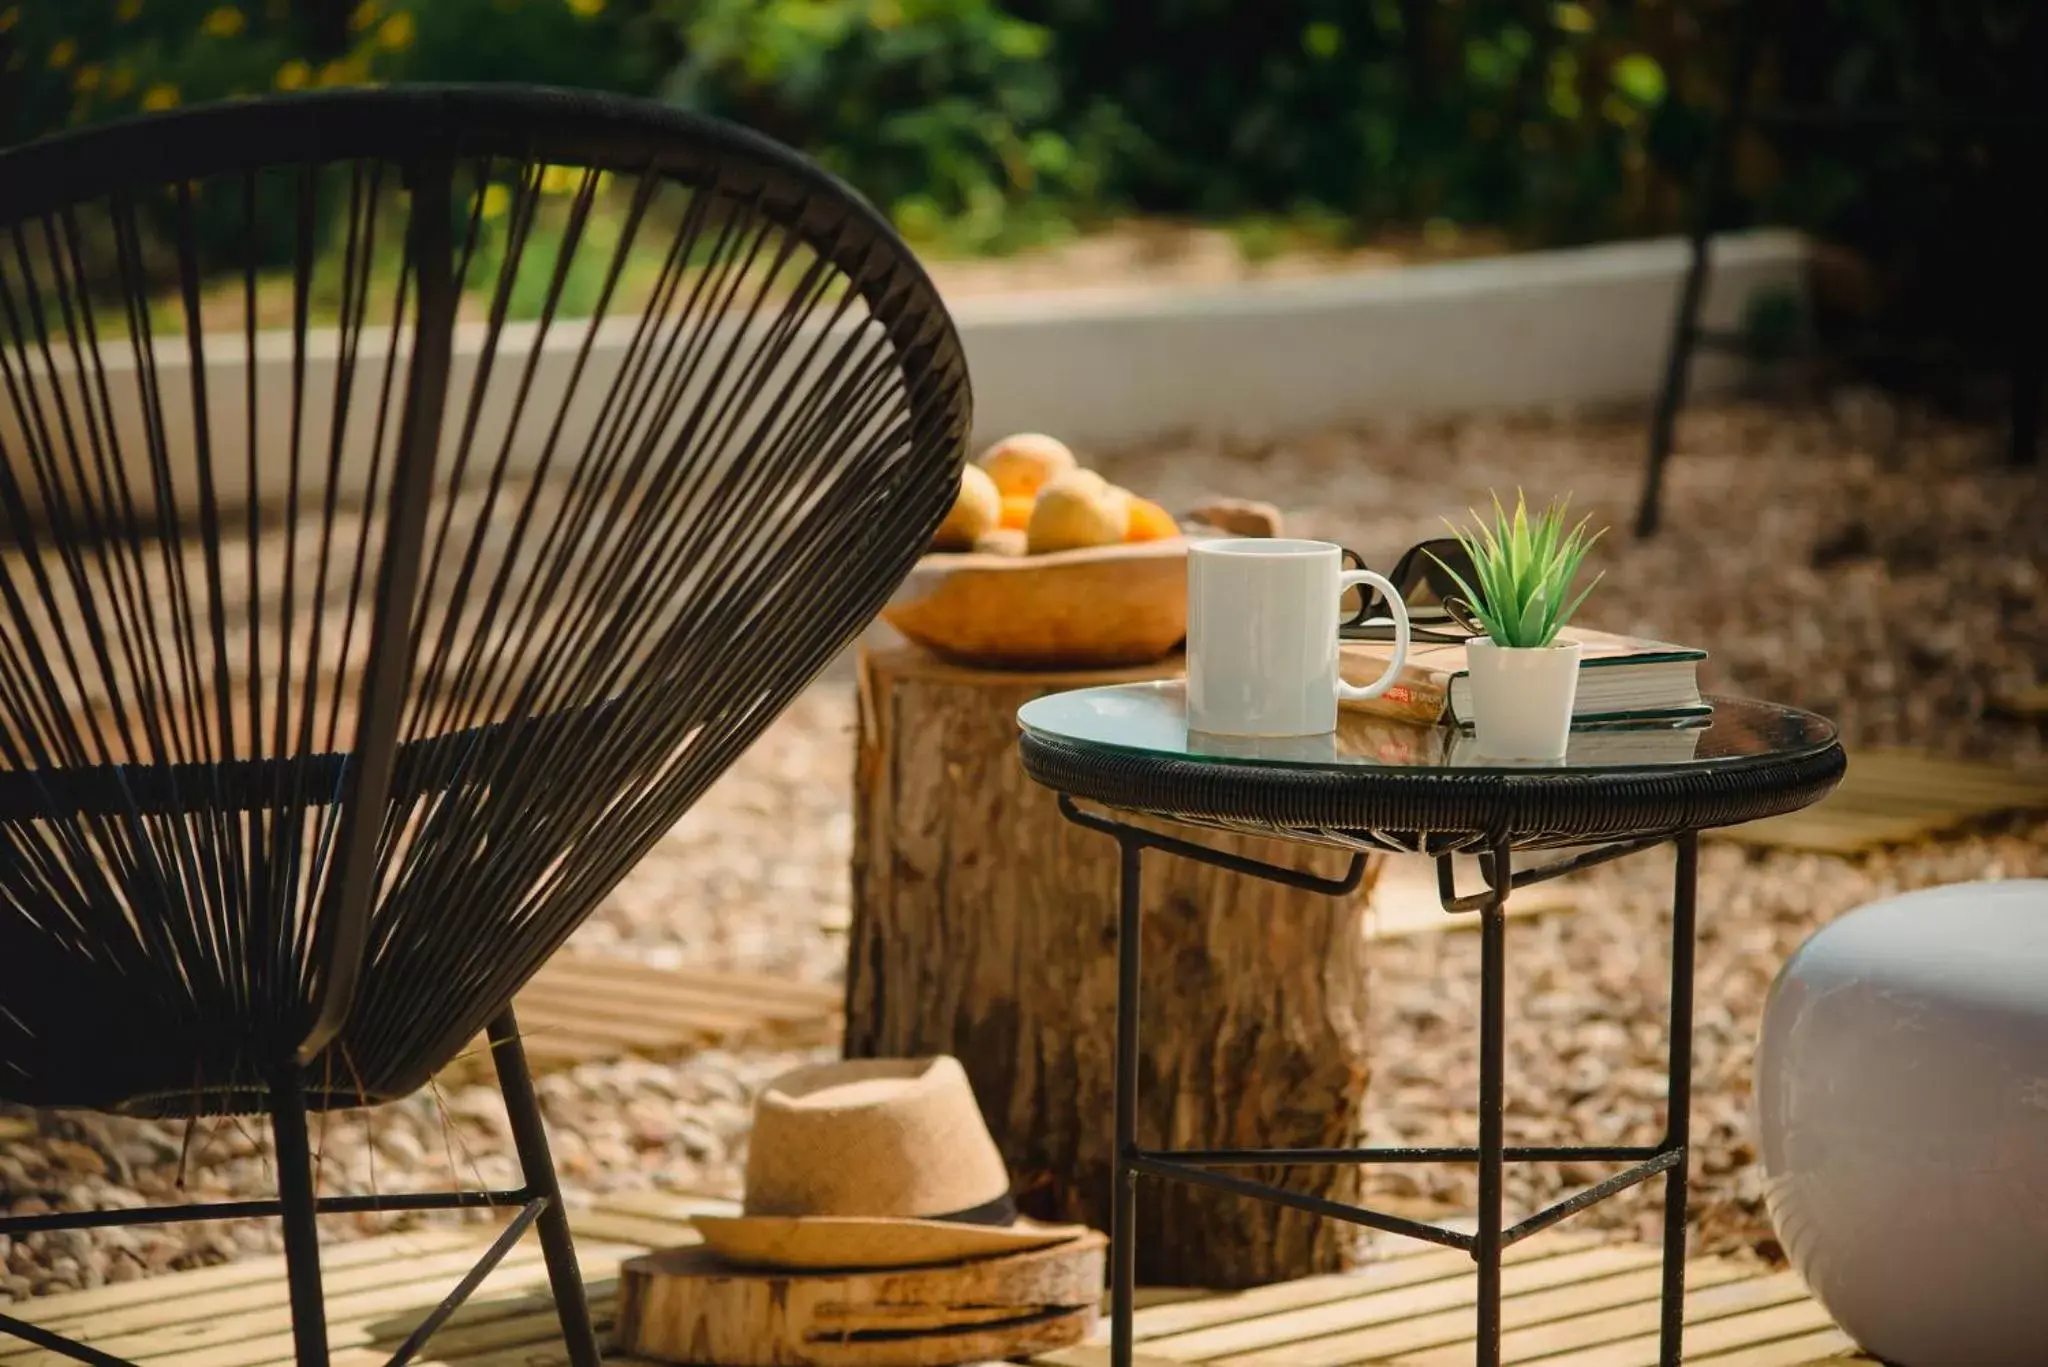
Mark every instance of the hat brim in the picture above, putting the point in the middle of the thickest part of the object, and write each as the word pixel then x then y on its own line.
pixel 819 1242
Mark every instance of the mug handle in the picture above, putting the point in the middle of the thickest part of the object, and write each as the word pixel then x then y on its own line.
pixel 1350 579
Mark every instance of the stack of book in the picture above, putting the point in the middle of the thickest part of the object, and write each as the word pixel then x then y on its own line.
pixel 1623 681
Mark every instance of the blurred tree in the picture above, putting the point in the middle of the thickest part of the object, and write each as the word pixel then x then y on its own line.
pixel 947 113
pixel 983 124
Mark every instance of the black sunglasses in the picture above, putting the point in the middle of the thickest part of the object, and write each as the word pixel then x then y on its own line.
pixel 1436 606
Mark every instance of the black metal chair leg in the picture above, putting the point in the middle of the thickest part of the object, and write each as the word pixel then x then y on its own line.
pixel 537 1167
pixel 1123 1210
pixel 1678 1117
pixel 295 1194
pixel 1677 366
pixel 2024 441
pixel 1714 176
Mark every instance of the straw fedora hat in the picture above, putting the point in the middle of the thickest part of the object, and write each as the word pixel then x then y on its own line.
pixel 873 1163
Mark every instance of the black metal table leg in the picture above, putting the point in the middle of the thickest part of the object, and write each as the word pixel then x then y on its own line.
pixel 1492 1066
pixel 1491 1154
pixel 1678 1121
pixel 1123 1210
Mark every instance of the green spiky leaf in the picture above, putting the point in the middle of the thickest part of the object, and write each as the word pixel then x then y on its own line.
pixel 1526 564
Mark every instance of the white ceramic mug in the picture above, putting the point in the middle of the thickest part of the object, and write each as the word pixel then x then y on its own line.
pixel 1262 636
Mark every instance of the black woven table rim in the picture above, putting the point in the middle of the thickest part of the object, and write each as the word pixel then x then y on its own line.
pixel 1438 808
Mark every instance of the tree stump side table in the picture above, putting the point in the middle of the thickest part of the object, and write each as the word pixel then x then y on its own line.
pixel 985 926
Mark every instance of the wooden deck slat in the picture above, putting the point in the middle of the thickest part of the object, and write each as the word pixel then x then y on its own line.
pixel 677 1000
pixel 609 970
pixel 619 1228
pixel 1753 1329
pixel 1715 1287
pixel 1233 1342
pixel 2023 702
pixel 1450 1331
pixel 627 1033
pixel 529 1333
pixel 1237 1307
pixel 1520 1304
pixel 70 1307
pixel 1405 900
pixel 1827 1346
pixel 583 1007
pixel 496 1322
pixel 661 1205
pixel 262 1336
pixel 1233 1307
pixel 1890 796
pixel 1570 1302
pixel 253 1300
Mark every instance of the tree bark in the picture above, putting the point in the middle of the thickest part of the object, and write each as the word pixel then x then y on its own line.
pixel 985 925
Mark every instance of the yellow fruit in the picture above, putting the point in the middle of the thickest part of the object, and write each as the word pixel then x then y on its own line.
pixel 977 508
pixel 1077 510
pixel 1021 465
pixel 1017 510
pixel 1001 541
pixel 1150 522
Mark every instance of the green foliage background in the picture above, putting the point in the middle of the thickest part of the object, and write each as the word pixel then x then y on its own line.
pixel 983 125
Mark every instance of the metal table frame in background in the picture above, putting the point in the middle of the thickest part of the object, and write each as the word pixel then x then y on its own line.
pixel 1492 1153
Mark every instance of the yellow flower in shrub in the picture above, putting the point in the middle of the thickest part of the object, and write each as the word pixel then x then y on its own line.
pixel 397 32
pixel 224 22
pixel 62 54
pixel 293 74
pixel 160 97
pixel 586 9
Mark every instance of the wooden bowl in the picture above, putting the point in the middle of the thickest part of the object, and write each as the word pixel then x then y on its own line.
pixel 1098 608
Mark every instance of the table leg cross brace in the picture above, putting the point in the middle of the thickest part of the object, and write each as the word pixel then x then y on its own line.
pixel 1668 1158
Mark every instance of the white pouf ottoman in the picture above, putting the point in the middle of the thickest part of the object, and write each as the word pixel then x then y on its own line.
pixel 1902 1102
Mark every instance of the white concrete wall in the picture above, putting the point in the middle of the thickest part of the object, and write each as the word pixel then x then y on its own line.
pixel 1098 368
pixel 1588 325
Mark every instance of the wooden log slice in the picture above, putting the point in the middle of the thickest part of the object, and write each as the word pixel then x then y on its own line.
pixel 685 1305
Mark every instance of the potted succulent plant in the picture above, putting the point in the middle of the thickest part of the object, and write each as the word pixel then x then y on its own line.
pixel 1524 680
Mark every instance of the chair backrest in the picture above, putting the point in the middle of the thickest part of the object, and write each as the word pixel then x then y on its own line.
pixel 410 501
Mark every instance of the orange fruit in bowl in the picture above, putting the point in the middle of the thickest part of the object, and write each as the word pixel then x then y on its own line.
pixel 1078 510
pixel 976 509
pixel 1017 511
pixel 1024 463
pixel 1150 522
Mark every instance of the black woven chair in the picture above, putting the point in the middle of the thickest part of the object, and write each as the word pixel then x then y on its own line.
pixel 410 501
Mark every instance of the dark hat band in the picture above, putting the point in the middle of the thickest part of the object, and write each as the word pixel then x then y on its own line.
pixel 1001 1211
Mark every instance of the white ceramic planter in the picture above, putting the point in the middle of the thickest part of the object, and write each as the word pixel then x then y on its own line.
pixel 1522 698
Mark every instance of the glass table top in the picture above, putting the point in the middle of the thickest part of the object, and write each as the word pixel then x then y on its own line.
pixel 1150 719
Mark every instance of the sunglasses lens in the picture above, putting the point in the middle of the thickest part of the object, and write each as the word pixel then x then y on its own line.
pixel 1436 579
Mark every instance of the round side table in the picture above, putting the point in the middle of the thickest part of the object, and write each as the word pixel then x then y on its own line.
pixel 1377 784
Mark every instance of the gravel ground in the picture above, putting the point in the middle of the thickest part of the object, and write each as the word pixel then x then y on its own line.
pixel 1888 573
